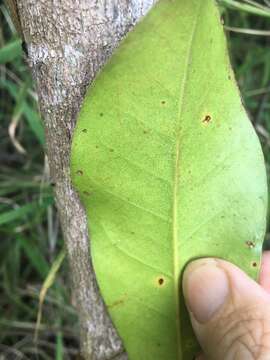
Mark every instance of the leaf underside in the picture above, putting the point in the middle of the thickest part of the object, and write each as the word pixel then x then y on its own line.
pixel 169 169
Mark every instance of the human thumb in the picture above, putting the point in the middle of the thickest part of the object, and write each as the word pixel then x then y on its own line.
pixel 230 313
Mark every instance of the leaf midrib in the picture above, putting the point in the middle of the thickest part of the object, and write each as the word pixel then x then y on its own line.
pixel 176 187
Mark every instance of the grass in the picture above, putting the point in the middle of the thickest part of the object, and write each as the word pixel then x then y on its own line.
pixel 31 241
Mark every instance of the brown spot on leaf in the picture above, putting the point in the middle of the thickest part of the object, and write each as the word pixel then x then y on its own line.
pixel 79 172
pixel 254 264
pixel 118 302
pixel 207 119
pixel 86 193
pixel 161 281
pixel 250 244
pixel 163 102
pixel 84 130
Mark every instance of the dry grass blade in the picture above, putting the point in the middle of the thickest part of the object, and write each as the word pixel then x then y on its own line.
pixel 45 287
pixel 12 133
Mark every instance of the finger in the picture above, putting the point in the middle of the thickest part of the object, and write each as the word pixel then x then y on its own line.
pixel 264 278
pixel 230 312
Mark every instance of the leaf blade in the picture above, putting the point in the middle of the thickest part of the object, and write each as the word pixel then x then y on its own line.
pixel 169 169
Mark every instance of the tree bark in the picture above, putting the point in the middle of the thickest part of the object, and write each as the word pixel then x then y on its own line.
pixel 68 42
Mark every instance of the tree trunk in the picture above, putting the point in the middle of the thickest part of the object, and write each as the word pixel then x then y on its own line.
pixel 68 41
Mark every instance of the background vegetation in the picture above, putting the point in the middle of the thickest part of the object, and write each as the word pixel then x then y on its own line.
pixel 31 242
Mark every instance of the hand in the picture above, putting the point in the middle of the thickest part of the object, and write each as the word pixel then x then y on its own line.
pixel 230 313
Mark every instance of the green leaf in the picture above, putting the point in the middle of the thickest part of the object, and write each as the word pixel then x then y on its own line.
pixel 169 169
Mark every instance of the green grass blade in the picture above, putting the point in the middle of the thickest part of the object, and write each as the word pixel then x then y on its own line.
pixel 34 122
pixel 31 115
pixel 10 51
pixel 34 255
pixel 236 5
pixel 20 212
pixel 59 347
